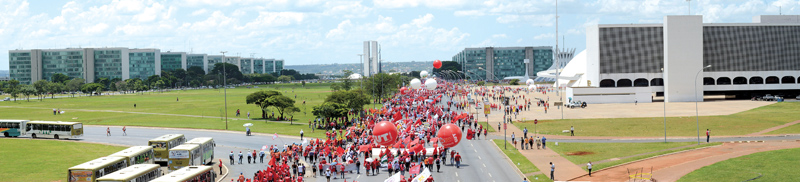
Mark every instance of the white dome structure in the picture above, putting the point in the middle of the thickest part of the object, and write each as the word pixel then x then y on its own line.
pixel 574 74
pixel 354 76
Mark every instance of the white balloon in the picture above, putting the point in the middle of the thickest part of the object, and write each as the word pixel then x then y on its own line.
pixel 423 74
pixel 529 82
pixel 415 83
pixel 430 84
pixel 532 87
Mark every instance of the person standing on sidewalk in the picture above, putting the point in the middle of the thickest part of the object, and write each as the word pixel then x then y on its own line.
pixel 552 171
pixel 589 166
pixel 231 156
pixel 301 134
pixel 525 132
pixel 220 166
pixel 708 136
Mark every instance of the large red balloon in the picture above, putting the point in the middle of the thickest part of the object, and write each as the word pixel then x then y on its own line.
pixel 403 90
pixel 449 135
pixel 385 133
pixel 437 64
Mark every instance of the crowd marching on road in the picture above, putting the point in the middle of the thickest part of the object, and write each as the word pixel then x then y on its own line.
pixel 349 144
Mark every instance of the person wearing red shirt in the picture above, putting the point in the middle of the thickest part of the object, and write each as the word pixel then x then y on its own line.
pixel 458 160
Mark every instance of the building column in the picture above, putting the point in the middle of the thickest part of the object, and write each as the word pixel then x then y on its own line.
pixel 683 58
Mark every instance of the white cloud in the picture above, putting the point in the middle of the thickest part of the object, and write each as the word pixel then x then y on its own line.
pixel 347 9
pixel 422 20
pixel 393 4
pixel 96 29
pixel 340 29
pixel 544 36
pixel 470 13
pixel 199 12
pixel 499 36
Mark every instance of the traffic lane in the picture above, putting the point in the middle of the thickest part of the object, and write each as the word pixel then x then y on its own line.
pixel 702 139
pixel 140 136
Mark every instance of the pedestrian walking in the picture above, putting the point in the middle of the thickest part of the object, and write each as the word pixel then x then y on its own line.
pixel 54 111
pixel 241 156
pixel 237 112
pixel 134 106
pixel 572 130
pixel 328 174
pixel 220 167
pixel 513 140
pixel 261 156
pixel 544 142
pixel 525 132
pixel 108 131
pixel 552 171
pixel 301 134
pixel 123 131
pixel 589 166
pixel 708 136
pixel 248 114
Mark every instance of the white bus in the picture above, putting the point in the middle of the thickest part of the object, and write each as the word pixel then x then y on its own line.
pixel 184 155
pixel 54 129
pixel 90 171
pixel 189 174
pixel 134 173
pixel 136 155
pixel 207 145
pixel 12 128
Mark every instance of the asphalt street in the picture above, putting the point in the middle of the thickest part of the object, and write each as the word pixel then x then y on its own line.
pixel 481 159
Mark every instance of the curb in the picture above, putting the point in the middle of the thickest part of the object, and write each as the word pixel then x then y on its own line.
pixel 227 171
pixel 662 155
pixel 213 130
pixel 519 172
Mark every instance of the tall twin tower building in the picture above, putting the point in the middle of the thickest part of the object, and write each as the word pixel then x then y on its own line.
pixel 372 58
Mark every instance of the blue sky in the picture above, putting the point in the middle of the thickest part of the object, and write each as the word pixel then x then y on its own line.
pixel 333 31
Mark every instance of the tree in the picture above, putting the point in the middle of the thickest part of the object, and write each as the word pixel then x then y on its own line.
pixel 354 99
pixel 448 65
pixel 54 87
pixel 122 86
pixel 159 84
pixel 304 83
pixel 27 90
pixel 514 82
pixel 285 78
pixel 381 84
pixel 231 70
pixel 59 78
pixel 40 87
pixel 92 87
pixel 282 103
pixel 104 81
pixel 289 111
pixel 414 74
pixel 260 99
pixel 12 87
pixel 75 85
pixel 195 71
pixel 329 110
pixel 336 87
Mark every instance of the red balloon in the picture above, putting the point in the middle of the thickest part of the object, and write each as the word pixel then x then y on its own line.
pixel 449 135
pixel 437 64
pixel 403 90
pixel 385 133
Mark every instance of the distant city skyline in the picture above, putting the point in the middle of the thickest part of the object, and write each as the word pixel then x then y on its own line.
pixel 324 32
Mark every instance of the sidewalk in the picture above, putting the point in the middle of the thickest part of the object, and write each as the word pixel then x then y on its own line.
pixel 673 167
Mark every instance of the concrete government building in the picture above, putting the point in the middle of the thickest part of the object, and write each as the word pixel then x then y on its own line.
pixel 624 62
pixel 28 66
pixel 498 63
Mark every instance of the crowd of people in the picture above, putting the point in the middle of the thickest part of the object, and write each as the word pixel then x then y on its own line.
pixel 349 145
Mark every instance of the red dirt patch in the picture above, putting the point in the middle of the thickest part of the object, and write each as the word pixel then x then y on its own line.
pixel 580 153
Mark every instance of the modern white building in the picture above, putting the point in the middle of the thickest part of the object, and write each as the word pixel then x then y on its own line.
pixel 371 58
pixel 684 59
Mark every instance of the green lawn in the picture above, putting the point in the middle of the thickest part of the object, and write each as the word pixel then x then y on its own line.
pixel 486 125
pixel 539 177
pixel 794 129
pixel 206 102
pixel 524 164
pixel 778 165
pixel 45 160
pixel 742 123
pixel 601 151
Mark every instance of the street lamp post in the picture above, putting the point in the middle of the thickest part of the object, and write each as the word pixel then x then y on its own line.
pixel 696 112
pixel 665 107
pixel 225 88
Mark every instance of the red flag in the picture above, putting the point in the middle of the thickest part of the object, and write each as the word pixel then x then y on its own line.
pixel 340 151
pixel 271 161
pixel 415 169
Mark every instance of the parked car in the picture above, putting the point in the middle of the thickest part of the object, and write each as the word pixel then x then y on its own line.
pixel 7 99
pixel 574 104
pixel 768 97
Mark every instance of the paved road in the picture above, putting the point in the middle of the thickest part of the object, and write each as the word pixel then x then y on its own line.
pixel 482 161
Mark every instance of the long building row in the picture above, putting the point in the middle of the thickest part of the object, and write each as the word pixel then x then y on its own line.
pixel 28 66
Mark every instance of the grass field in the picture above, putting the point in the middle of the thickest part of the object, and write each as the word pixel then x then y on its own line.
pixel 524 164
pixel 486 125
pixel 44 160
pixel 582 153
pixel 742 123
pixel 787 130
pixel 114 110
pixel 778 165
pixel 539 177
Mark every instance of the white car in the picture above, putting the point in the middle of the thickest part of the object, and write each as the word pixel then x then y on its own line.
pixel 7 99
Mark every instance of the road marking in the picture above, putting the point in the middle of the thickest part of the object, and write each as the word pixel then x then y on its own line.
pixel 358 176
pixel 456 174
pixel 484 165
pixel 471 144
pixel 479 157
pixel 490 174
pixel 476 150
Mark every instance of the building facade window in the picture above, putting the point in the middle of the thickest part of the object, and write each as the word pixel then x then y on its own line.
pixel 624 83
pixel 756 80
pixel 772 80
pixel 723 81
pixel 640 82
pixel 787 80
pixel 607 83
pixel 708 81
pixel 739 80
